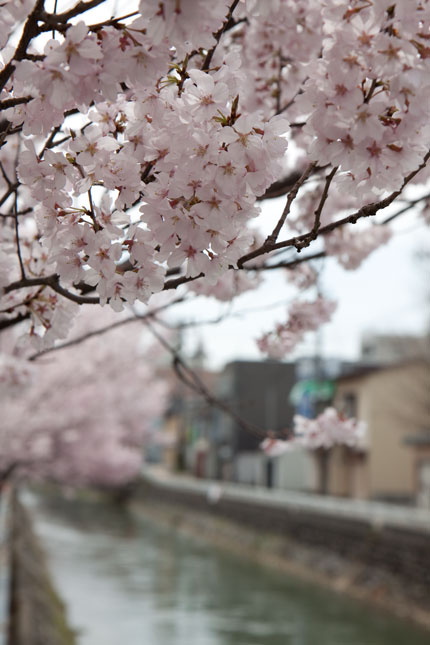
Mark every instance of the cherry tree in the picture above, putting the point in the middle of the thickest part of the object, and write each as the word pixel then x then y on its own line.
pixel 138 139
pixel 84 415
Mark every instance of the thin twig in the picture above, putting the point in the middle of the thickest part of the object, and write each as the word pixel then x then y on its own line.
pixel 411 203
pixel 17 240
pixel 368 210
pixel 207 62
pixel 193 381
pixel 103 330
pixel 290 198
pixel 176 282
pixel 317 222
pixel 286 264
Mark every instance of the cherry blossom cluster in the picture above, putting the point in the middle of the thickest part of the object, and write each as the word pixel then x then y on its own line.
pixel 302 276
pixel 12 13
pixel 276 45
pixel 229 286
pixel 327 430
pixel 15 374
pixel 193 163
pixel 134 150
pixel 85 415
pixel 352 246
pixel 302 317
pixel 368 96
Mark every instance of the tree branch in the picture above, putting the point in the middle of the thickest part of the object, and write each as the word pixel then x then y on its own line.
pixel 31 30
pixel 226 25
pixel 17 240
pixel 52 19
pixel 193 381
pixel 103 330
pixel 10 322
pixel 51 281
pixel 8 103
pixel 300 241
pixel 316 227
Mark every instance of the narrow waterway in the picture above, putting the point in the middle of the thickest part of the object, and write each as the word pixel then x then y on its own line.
pixel 127 581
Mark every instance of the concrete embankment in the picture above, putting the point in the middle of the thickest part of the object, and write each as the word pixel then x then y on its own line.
pixel 372 551
pixel 32 612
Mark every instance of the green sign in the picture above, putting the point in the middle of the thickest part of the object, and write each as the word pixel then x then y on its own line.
pixel 316 390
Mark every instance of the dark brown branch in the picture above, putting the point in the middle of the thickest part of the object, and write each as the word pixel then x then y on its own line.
pixel 269 242
pixel 81 7
pixel 17 240
pixel 173 284
pixel 291 197
pixel 300 241
pixel 8 193
pixel 8 103
pixel 316 227
pixel 226 25
pixel 10 322
pixel 411 203
pixel 30 30
pixel 281 187
pixel 113 22
pixel 18 214
pixel 51 281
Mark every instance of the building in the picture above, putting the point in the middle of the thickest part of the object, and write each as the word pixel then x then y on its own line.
pixel 394 401
pixel 258 395
pixel 392 348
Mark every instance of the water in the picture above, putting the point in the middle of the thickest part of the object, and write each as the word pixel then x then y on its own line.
pixel 127 581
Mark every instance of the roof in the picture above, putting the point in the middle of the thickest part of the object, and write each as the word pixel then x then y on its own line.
pixel 362 371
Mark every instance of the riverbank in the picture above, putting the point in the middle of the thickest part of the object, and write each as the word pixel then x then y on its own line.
pixel 383 566
pixel 37 614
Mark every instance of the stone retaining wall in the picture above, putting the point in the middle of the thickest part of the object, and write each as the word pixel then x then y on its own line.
pixel 389 563
pixel 37 615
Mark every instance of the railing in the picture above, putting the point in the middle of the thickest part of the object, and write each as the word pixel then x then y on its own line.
pixel 5 561
pixel 376 514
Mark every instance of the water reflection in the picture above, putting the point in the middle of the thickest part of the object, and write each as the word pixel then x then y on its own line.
pixel 129 582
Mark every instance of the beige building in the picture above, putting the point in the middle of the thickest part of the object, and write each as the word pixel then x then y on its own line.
pixel 394 401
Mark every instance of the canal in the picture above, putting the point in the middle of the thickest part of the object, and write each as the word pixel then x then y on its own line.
pixel 128 581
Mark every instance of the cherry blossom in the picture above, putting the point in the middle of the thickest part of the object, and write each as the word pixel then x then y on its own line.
pixel 134 150
pixel 327 430
pixel 303 317
pixel 330 428
pixel 78 420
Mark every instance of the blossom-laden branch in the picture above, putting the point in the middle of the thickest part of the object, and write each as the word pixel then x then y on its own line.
pixel 226 25
pixel 152 313
pixel 106 409
pixel 169 121
pixel 329 429
pixel 369 210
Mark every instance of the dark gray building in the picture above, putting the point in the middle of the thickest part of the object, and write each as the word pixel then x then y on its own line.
pixel 258 394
